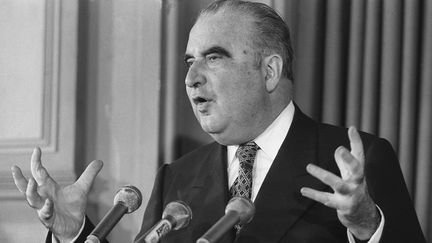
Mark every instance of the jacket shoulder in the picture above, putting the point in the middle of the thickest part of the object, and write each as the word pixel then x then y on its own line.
pixel 332 134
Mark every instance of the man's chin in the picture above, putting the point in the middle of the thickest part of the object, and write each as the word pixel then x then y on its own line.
pixel 215 132
pixel 212 131
pixel 210 125
pixel 221 134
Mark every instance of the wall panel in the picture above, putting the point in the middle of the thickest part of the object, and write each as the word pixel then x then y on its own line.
pixel 37 101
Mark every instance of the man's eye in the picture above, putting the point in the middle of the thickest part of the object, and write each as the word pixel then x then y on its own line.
pixel 213 58
pixel 189 63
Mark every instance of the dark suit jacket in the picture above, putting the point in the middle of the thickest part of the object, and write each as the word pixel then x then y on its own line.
pixel 282 213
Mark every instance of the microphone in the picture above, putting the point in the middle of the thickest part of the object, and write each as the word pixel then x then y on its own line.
pixel 175 216
pixel 240 210
pixel 127 199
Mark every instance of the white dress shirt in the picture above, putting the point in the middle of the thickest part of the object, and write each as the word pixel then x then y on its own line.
pixel 269 143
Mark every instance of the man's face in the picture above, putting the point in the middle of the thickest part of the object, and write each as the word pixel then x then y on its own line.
pixel 224 84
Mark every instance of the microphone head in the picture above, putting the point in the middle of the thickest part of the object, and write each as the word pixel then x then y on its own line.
pixel 178 212
pixel 243 206
pixel 129 196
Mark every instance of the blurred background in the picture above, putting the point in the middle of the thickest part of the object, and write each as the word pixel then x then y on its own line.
pixel 104 79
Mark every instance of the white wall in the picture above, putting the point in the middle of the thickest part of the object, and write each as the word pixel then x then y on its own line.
pixel 38 46
pixel 82 82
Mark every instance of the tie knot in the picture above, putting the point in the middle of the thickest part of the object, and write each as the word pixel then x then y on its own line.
pixel 246 152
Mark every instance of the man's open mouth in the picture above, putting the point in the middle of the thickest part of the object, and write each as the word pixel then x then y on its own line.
pixel 199 100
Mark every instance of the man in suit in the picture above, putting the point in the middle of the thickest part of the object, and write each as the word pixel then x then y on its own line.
pixel 309 182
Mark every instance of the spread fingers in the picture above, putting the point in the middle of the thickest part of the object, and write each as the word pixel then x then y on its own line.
pixel 322 197
pixel 328 178
pixel 19 179
pixel 38 171
pixel 33 197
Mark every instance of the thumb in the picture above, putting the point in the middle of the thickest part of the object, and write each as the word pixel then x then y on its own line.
pixel 85 181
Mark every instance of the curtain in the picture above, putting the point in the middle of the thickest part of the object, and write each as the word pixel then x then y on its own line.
pixel 366 63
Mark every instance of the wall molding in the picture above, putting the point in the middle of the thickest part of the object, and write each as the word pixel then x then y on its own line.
pixel 58 72
pixel 50 74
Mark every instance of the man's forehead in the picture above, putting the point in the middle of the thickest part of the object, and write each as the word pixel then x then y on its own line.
pixel 198 43
pixel 224 30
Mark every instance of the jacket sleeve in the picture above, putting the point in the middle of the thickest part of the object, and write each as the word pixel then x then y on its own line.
pixel 88 227
pixel 387 187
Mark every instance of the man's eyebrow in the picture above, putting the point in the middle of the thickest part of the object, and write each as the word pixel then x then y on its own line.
pixel 217 50
pixel 214 49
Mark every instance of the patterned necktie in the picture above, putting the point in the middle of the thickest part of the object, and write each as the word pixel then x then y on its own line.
pixel 242 186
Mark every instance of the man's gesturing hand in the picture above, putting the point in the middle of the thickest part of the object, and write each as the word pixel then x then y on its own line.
pixel 351 199
pixel 61 209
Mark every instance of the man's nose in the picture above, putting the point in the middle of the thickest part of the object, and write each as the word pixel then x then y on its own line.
pixel 195 76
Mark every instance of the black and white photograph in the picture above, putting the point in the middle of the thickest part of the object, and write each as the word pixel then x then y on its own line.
pixel 216 121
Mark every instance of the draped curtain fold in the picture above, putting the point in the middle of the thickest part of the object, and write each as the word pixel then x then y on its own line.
pixel 366 63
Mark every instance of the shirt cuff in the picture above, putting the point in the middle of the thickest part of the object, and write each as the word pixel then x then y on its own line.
pixel 376 236
pixel 54 239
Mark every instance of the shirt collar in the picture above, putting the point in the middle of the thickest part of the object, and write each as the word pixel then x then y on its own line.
pixel 272 138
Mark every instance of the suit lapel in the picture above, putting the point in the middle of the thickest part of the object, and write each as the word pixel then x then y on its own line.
pixel 213 169
pixel 209 194
pixel 279 203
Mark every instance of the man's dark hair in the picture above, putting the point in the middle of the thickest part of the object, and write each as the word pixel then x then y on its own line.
pixel 271 32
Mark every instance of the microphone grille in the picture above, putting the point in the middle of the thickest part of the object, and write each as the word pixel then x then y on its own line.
pixel 243 206
pixel 180 212
pixel 129 196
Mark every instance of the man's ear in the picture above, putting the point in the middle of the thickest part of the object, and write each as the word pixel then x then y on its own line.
pixel 273 71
